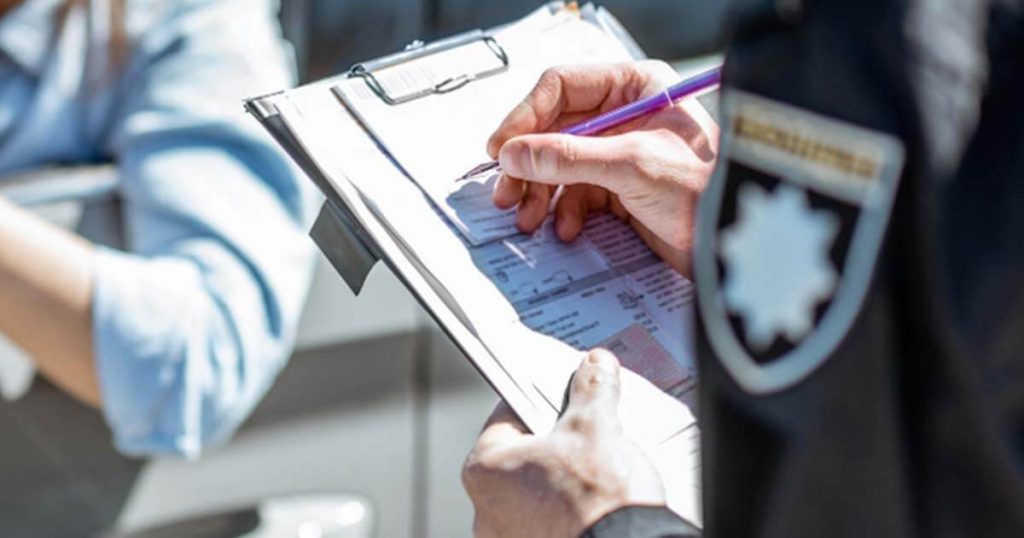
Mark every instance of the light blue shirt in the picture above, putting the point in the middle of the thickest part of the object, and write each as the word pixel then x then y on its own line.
pixel 193 324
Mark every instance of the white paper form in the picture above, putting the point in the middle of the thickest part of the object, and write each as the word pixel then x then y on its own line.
pixel 437 138
pixel 605 289
pixel 536 302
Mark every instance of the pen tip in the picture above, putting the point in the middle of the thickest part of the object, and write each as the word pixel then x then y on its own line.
pixel 485 167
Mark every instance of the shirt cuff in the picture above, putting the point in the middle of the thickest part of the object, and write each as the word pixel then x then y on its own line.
pixel 642 522
pixel 140 348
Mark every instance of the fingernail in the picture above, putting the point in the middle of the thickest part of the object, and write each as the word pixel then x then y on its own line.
pixel 603 360
pixel 595 372
pixel 567 230
pixel 562 227
pixel 515 159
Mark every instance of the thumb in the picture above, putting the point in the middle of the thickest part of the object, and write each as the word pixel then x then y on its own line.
pixel 594 394
pixel 561 159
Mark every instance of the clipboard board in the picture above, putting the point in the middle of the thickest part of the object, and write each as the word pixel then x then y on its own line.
pixel 354 240
pixel 354 237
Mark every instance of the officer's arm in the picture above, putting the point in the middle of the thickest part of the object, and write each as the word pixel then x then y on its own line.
pixel 642 522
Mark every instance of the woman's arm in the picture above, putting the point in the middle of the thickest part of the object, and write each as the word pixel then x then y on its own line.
pixel 46 283
pixel 193 323
pixel 179 337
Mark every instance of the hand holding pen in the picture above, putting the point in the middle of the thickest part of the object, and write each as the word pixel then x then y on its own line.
pixel 629 112
pixel 649 169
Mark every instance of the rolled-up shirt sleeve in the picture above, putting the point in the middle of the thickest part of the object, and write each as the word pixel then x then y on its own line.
pixel 194 322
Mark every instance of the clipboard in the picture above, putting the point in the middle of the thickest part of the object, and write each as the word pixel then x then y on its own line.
pixel 354 240
pixel 354 237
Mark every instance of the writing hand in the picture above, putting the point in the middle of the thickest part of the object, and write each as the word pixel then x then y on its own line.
pixel 650 171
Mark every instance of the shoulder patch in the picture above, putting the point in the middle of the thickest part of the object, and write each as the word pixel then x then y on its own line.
pixel 790 229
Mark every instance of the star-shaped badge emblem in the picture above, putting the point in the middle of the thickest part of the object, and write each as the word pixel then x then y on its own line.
pixel 777 263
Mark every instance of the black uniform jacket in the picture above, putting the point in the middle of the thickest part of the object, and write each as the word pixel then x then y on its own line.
pixel 912 425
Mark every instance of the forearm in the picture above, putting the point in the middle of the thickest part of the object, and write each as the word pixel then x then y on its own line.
pixel 46 298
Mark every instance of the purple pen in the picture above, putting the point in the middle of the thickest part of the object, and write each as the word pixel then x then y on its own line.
pixel 613 118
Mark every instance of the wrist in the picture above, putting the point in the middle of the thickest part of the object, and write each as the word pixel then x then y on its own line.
pixel 636 490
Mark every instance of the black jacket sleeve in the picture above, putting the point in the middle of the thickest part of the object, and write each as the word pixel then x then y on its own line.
pixel 642 522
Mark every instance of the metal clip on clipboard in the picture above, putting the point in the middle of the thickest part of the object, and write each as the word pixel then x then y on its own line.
pixel 388 86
